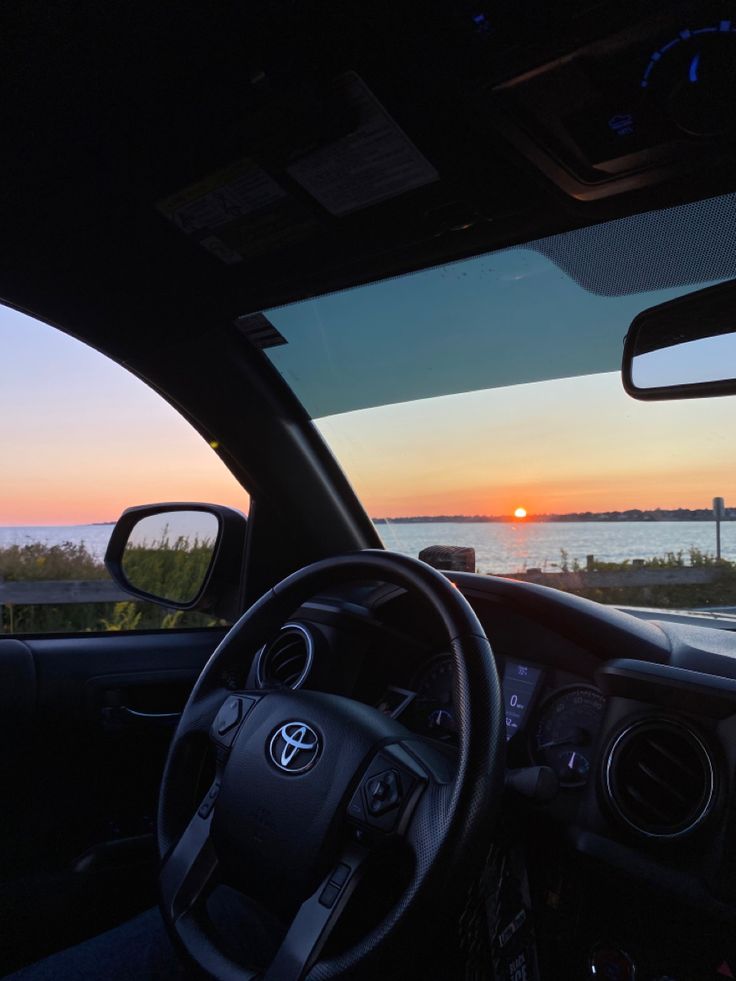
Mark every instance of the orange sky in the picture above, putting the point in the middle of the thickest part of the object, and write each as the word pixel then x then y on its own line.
pixel 572 445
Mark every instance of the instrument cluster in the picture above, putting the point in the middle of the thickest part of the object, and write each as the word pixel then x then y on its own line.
pixel 546 723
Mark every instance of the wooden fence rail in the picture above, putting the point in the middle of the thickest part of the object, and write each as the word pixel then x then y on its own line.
pixel 684 576
pixel 50 592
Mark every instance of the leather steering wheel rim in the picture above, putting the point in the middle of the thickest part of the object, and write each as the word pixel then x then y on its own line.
pixel 455 816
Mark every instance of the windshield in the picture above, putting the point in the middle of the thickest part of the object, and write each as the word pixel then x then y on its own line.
pixel 479 406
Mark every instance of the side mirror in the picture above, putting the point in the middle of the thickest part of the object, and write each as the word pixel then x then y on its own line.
pixel 684 349
pixel 182 556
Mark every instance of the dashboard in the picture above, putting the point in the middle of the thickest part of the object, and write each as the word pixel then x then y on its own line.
pixel 636 719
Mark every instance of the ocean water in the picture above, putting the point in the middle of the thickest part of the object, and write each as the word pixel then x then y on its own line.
pixel 515 547
pixel 498 547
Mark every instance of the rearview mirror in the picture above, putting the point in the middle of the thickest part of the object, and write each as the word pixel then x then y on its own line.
pixel 182 556
pixel 685 348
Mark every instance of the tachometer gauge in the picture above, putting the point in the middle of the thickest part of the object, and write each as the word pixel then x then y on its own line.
pixel 567 731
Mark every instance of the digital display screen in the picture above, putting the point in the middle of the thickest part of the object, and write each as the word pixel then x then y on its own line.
pixel 519 685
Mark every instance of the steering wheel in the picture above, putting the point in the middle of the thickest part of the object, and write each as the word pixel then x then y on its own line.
pixel 309 785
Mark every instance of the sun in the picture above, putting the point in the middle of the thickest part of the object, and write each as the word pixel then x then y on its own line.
pixel 520 513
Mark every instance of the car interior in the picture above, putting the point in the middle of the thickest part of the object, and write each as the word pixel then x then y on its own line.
pixel 368 765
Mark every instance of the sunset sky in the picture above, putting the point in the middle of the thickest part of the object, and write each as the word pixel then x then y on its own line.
pixel 82 438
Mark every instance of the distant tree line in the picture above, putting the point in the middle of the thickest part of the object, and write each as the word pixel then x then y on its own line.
pixel 632 514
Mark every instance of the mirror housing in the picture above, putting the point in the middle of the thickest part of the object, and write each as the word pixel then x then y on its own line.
pixel 219 590
pixel 685 348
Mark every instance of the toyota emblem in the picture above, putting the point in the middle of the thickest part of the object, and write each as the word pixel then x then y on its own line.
pixel 294 747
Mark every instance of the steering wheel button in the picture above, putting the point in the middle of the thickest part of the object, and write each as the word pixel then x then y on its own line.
pixel 355 807
pixel 329 894
pixel 229 715
pixel 206 807
pixel 383 792
pixel 377 789
pixel 341 875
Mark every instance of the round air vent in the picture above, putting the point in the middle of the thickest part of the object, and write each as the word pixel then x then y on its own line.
pixel 286 661
pixel 659 778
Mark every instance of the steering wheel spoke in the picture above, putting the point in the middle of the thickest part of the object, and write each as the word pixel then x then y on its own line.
pixel 191 864
pixel 317 917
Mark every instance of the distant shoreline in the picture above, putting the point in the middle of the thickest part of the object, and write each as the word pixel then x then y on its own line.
pixel 658 514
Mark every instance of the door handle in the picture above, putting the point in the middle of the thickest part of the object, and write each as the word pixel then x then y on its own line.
pixel 115 716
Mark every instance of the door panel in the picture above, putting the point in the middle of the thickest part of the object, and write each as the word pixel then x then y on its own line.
pixel 85 724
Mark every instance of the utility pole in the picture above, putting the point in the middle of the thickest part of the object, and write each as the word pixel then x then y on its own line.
pixel 718 514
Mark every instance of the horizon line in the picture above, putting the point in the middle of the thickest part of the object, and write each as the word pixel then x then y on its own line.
pixel 485 518
pixel 541 515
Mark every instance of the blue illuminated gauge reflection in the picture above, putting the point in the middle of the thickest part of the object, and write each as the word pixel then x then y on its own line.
pixel 567 732
pixel 692 77
pixel 693 41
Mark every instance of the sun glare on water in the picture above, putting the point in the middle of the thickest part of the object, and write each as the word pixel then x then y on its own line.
pixel 520 513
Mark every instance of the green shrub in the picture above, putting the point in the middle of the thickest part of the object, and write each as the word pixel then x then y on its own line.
pixel 36 561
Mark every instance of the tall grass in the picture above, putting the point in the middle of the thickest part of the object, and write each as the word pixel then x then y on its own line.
pixel 174 568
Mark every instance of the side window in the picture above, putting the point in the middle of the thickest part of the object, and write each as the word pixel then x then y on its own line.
pixel 81 439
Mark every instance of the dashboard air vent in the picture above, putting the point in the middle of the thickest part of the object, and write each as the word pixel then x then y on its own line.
pixel 286 661
pixel 659 778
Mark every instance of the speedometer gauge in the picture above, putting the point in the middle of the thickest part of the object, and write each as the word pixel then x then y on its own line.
pixel 567 730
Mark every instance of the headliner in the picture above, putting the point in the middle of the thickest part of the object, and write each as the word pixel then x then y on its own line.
pixel 111 109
